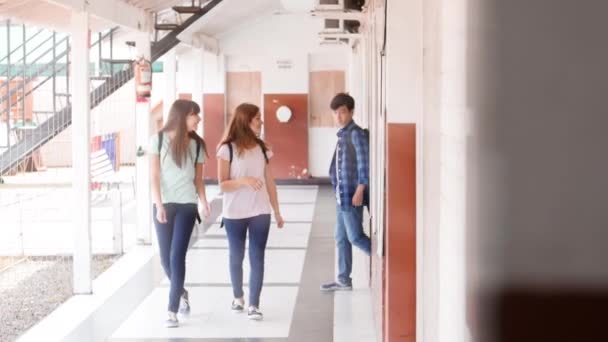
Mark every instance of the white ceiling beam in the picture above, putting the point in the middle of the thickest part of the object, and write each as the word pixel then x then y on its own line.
pixel 338 14
pixel 340 35
pixel 115 11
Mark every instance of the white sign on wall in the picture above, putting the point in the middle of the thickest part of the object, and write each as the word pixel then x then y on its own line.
pixel 284 63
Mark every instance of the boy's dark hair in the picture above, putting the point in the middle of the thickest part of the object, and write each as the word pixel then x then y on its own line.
pixel 342 99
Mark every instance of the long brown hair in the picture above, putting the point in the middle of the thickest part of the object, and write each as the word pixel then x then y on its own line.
pixel 239 132
pixel 179 146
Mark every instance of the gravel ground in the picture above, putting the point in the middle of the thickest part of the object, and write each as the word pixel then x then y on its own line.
pixel 38 295
pixel 7 261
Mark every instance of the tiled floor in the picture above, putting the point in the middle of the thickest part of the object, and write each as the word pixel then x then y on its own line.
pixel 298 260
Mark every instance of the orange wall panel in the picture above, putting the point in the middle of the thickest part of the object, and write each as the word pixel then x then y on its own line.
pixel 289 141
pixel 213 123
pixel 400 271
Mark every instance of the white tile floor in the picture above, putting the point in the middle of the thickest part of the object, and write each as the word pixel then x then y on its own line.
pixel 210 291
pixel 211 316
pixel 211 266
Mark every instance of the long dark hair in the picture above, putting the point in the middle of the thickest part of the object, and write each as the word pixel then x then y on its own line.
pixel 179 146
pixel 239 132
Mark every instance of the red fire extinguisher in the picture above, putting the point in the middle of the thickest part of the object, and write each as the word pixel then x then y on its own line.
pixel 143 78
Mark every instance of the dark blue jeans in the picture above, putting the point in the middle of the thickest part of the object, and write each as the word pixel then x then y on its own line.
pixel 173 239
pixel 349 232
pixel 236 230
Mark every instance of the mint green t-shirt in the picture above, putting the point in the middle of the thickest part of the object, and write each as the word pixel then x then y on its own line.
pixel 176 184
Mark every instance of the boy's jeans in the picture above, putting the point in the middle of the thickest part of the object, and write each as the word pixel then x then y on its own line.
pixel 349 231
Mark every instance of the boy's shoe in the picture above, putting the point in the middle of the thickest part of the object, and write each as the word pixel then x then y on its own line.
pixel 171 321
pixel 184 303
pixel 254 314
pixel 336 286
pixel 237 306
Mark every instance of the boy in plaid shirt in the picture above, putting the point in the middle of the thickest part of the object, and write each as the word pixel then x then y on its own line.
pixel 349 172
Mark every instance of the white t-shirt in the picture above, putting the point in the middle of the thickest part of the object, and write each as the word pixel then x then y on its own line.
pixel 245 202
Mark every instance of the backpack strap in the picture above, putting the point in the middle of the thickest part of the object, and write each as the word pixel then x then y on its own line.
pixel 263 150
pixel 160 141
pixel 230 151
pixel 198 152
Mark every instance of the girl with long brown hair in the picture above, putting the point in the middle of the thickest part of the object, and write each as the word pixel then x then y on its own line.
pixel 177 157
pixel 249 195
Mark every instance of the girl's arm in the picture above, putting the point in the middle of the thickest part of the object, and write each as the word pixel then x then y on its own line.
pixel 271 187
pixel 155 187
pixel 200 189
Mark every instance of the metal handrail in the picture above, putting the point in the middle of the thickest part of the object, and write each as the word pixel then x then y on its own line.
pixel 20 46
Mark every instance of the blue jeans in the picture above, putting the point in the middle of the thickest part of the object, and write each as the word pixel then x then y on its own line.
pixel 349 232
pixel 173 239
pixel 236 230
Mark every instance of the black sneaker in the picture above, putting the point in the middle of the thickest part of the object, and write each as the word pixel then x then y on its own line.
pixel 336 286
pixel 254 314
pixel 184 303
pixel 237 306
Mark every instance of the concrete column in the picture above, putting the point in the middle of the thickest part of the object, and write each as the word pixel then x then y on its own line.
pixel 170 71
pixel 81 150
pixel 142 169
pixel 452 180
pixel 404 109
pixel 355 83
pixel 198 84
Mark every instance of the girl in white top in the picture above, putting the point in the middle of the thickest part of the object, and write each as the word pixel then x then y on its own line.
pixel 249 194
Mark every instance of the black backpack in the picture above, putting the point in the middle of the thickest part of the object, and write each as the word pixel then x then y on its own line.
pixel 198 151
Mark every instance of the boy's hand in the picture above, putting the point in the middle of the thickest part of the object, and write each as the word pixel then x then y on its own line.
pixel 358 196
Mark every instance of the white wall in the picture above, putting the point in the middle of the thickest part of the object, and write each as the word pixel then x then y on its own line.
pixel 262 47
pixel 404 86
pixel 321 142
pixel 215 73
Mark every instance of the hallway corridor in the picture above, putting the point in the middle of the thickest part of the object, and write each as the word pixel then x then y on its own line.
pixel 298 258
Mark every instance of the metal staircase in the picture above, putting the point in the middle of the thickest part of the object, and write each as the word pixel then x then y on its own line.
pixel 32 139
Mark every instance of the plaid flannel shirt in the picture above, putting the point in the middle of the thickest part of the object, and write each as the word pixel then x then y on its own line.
pixel 352 151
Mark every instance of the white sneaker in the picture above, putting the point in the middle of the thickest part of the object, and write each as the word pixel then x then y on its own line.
pixel 237 305
pixel 254 314
pixel 171 321
pixel 184 303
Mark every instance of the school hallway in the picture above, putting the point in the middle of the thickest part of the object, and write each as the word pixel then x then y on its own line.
pixel 486 141
pixel 299 258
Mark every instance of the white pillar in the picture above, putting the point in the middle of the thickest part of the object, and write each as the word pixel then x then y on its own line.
pixel 355 83
pixel 142 168
pixel 170 71
pixel 81 140
pixel 198 86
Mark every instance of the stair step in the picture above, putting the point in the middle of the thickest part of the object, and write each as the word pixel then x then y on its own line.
pixel 166 27
pixel 100 78
pixel 186 9
pixel 117 61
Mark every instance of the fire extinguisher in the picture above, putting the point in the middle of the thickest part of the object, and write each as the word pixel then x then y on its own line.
pixel 143 78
